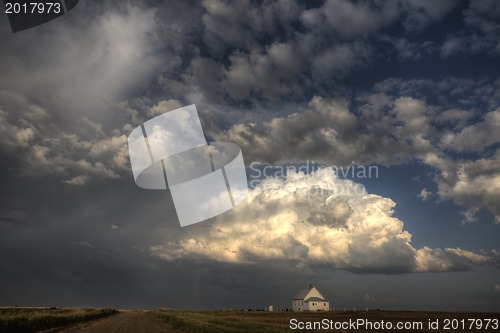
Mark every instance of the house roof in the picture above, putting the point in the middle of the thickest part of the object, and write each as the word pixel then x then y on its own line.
pixel 315 299
pixel 302 293
pixel 309 293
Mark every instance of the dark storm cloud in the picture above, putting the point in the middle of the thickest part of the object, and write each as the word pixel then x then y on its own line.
pixel 255 52
pixel 87 245
pixel 71 223
pixel 482 33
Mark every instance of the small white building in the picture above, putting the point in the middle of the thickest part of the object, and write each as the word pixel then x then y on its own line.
pixel 310 299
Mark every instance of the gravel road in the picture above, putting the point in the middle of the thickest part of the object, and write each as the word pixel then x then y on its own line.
pixel 123 322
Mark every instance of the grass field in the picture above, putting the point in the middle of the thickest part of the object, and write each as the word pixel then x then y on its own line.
pixel 21 320
pixel 14 320
pixel 242 321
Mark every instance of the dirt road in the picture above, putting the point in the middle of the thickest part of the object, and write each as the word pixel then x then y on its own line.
pixel 123 322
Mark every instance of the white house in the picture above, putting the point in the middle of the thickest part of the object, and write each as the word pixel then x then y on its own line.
pixel 310 299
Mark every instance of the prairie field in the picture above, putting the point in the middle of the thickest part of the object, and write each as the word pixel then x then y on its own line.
pixel 21 320
pixel 380 321
pixel 51 320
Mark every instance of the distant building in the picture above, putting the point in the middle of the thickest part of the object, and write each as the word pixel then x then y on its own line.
pixel 310 299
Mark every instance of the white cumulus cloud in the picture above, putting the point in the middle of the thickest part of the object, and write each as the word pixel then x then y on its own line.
pixel 316 219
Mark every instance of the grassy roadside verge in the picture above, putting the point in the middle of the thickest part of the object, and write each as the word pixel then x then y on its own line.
pixel 27 320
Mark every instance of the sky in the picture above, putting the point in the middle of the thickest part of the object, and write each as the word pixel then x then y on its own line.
pixel 407 89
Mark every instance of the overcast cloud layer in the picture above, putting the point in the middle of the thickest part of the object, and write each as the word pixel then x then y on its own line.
pixel 388 83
